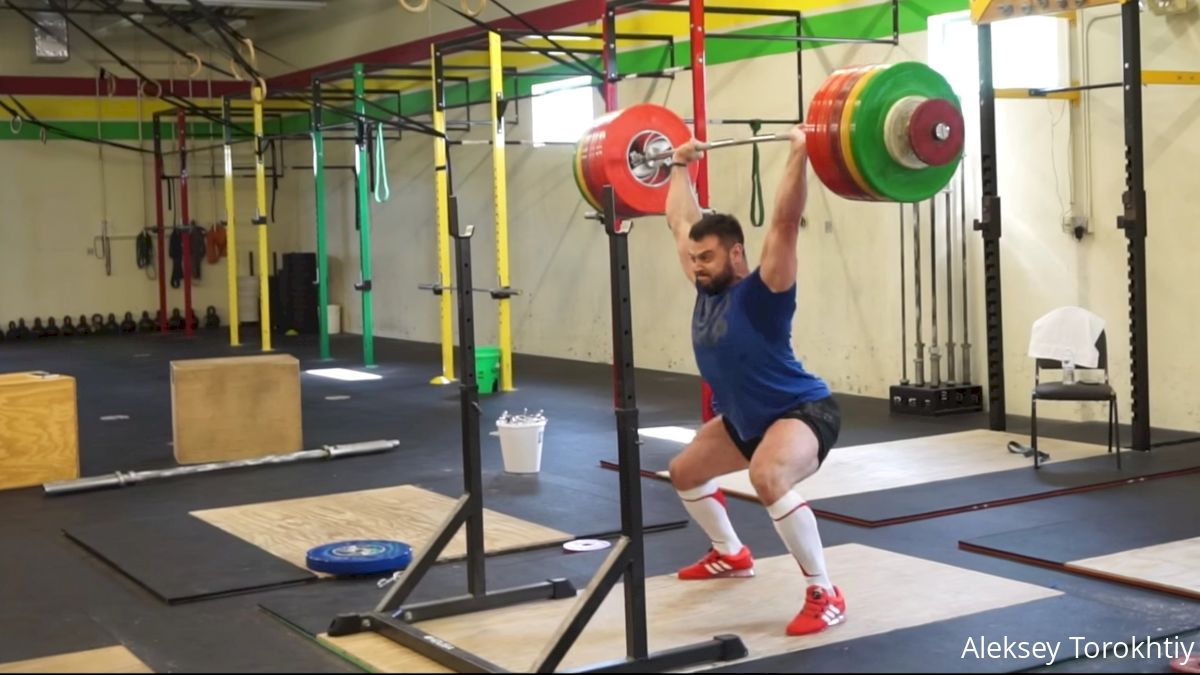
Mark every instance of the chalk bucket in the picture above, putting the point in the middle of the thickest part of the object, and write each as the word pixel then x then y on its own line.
pixel 521 442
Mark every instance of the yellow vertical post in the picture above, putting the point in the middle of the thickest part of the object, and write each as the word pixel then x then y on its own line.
pixel 442 194
pixel 500 203
pixel 231 234
pixel 260 220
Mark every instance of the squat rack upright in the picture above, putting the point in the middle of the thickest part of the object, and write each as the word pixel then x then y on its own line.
pixel 1132 221
pixel 325 117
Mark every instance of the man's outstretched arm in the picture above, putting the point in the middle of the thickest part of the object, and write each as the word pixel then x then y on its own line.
pixel 778 267
pixel 683 210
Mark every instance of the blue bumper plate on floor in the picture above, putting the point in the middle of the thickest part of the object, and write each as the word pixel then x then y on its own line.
pixel 361 556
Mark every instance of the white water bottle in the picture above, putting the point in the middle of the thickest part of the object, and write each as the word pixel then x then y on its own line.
pixel 1068 371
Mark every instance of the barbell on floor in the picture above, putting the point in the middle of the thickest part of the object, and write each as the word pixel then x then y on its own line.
pixel 885 132
pixel 123 478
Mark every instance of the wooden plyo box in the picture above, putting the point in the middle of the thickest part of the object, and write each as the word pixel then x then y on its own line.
pixel 235 407
pixel 39 429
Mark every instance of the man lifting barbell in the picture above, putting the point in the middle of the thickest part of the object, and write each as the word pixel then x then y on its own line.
pixel 882 132
pixel 774 416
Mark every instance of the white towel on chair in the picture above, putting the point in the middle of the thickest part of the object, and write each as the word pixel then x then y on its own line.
pixel 1067 333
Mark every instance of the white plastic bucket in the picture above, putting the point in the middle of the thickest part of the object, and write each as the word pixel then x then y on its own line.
pixel 521 445
pixel 334 319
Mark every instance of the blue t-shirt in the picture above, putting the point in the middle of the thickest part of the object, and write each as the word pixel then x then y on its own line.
pixel 743 343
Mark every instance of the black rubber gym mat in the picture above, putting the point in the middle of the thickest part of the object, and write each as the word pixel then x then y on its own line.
pixel 180 558
pixel 928 500
pixel 1129 517
pixel 915 502
pixel 954 645
pixel 32 635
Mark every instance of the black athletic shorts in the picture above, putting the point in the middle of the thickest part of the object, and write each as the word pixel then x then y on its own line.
pixel 823 417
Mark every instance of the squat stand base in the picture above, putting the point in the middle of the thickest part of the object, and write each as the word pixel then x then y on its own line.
pixel 946 399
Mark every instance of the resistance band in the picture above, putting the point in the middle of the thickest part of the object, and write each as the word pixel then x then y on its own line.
pixel 757 208
pixel 380 167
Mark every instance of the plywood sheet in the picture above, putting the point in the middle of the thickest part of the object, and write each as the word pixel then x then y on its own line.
pixel 289 528
pixel 878 585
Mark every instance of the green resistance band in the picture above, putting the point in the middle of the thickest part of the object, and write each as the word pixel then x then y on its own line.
pixel 757 208
pixel 381 180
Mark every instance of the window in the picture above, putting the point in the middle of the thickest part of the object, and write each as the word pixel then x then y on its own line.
pixel 562 110
pixel 1027 53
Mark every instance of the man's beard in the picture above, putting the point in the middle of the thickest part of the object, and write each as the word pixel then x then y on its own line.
pixel 720 282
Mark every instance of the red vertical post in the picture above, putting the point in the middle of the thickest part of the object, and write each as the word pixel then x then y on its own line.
pixel 181 129
pixel 610 56
pixel 158 220
pixel 699 95
pixel 700 113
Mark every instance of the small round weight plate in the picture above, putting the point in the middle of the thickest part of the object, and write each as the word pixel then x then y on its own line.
pixel 935 132
pixel 361 556
pixel 586 545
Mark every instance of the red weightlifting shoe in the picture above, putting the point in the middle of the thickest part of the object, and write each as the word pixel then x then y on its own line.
pixel 717 566
pixel 821 610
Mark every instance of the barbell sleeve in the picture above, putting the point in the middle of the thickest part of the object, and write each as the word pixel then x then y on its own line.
pixel 364 448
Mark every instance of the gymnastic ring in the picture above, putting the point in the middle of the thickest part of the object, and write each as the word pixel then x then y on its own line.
pixel 43 136
pixel 262 89
pixel 16 124
pixel 112 83
pixel 199 64
pixel 466 7
pixel 253 55
pixel 414 8
pixel 157 88
pixel 236 73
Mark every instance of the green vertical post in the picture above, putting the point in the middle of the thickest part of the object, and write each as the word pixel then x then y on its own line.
pixel 319 190
pixel 362 171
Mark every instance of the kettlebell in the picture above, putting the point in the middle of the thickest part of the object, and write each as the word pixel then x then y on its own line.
pixel 13 333
pixel 68 327
pixel 38 331
pixel 145 325
pixel 111 325
pixel 128 325
pixel 211 320
pixel 97 324
pixel 22 330
pixel 82 327
pixel 176 320
pixel 51 328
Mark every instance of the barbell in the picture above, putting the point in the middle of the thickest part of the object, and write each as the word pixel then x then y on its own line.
pixel 884 132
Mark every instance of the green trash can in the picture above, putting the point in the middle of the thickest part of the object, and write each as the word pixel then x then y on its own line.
pixel 487 368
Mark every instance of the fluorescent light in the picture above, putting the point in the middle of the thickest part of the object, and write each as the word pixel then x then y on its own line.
pixel 676 434
pixel 343 374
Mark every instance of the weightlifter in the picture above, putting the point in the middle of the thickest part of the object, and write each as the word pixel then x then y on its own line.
pixel 774 416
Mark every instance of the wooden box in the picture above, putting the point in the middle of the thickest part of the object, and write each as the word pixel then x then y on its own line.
pixel 39 429
pixel 235 407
